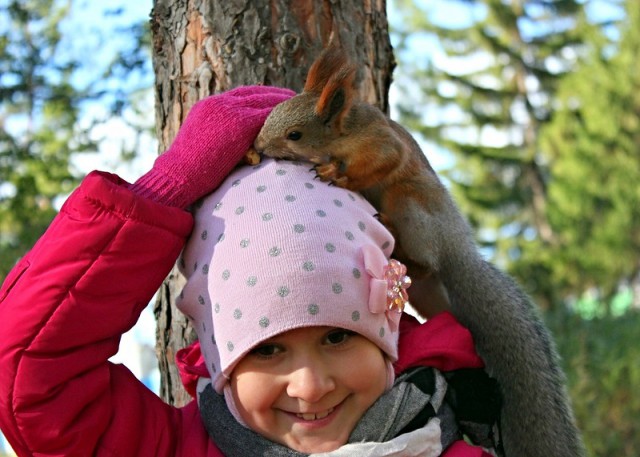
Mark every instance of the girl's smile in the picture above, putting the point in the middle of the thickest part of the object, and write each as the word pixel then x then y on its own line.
pixel 308 388
pixel 314 416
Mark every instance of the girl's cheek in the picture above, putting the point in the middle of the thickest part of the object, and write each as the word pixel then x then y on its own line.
pixel 254 391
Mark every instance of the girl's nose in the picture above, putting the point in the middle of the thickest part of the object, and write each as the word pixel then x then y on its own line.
pixel 310 383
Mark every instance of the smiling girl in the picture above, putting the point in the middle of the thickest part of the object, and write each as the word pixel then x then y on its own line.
pixel 298 305
pixel 307 388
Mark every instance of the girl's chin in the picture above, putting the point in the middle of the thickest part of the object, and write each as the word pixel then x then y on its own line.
pixel 312 446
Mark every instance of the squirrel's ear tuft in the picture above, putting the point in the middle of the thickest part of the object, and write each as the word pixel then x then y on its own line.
pixel 329 62
pixel 331 77
pixel 336 98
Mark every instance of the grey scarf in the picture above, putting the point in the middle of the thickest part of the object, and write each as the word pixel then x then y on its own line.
pixel 415 397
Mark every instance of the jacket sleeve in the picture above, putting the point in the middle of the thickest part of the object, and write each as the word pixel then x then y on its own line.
pixel 63 309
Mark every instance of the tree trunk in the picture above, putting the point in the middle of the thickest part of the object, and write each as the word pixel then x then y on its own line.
pixel 202 47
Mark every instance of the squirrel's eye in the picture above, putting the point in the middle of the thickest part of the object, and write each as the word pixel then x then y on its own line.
pixel 294 135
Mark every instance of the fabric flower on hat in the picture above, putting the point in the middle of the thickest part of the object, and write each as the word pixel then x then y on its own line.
pixel 389 284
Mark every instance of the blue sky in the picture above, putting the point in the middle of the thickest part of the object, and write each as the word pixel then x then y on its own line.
pixel 94 32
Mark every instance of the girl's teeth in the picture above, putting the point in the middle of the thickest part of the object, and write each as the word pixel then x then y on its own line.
pixel 315 416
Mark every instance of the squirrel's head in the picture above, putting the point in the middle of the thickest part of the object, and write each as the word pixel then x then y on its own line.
pixel 306 125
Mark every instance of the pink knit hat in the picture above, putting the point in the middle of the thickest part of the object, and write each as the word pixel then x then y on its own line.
pixel 274 249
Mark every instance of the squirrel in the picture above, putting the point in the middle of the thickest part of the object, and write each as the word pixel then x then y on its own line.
pixel 354 145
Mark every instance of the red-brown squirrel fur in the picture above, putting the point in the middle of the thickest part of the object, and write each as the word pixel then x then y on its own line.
pixel 356 146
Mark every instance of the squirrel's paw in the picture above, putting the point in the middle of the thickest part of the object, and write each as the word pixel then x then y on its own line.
pixel 332 172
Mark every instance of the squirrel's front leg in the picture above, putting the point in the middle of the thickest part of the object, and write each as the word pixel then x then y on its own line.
pixel 363 165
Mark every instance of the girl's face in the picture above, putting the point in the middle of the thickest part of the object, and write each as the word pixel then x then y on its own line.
pixel 307 388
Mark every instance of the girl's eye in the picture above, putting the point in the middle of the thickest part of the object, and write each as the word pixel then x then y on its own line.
pixel 338 336
pixel 266 350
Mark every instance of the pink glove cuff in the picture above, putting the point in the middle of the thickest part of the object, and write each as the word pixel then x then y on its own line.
pixel 164 189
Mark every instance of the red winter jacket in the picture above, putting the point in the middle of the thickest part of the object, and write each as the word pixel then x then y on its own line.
pixel 64 307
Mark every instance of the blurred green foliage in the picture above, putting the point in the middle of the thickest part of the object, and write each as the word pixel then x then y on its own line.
pixel 38 113
pixel 538 106
pixel 593 145
pixel 46 88
pixel 602 360
pixel 485 101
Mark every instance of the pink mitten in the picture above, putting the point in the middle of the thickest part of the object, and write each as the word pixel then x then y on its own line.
pixel 216 134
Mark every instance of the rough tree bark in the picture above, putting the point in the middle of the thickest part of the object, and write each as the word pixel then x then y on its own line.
pixel 202 47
